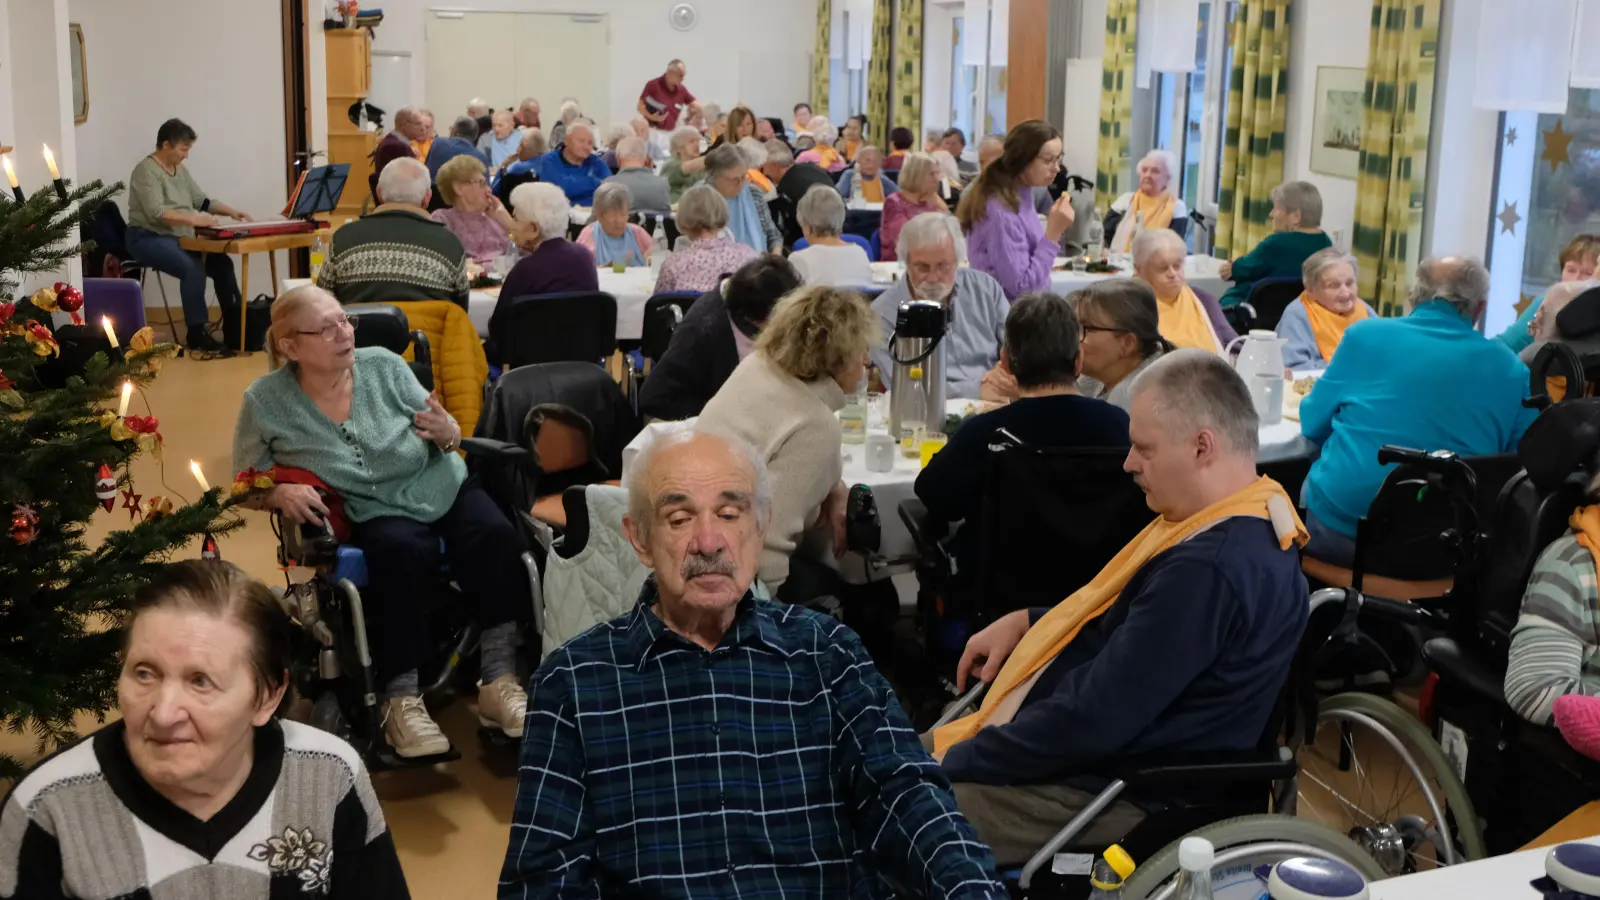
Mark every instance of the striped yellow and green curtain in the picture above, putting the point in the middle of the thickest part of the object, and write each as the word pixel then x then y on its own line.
pixel 1114 168
pixel 1252 148
pixel 908 71
pixel 1396 110
pixel 878 73
pixel 820 60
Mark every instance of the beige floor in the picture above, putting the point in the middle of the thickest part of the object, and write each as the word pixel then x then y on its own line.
pixel 451 822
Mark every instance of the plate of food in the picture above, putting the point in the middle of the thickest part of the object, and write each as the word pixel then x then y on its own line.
pixel 484 280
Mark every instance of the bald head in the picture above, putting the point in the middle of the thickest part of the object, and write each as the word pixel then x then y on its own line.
pixel 990 148
pixel 1461 281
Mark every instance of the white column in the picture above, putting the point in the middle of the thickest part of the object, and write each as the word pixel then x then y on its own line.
pixel 40 82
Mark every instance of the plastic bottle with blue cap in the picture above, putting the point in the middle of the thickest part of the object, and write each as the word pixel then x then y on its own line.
pixel 1575 868
pixel 1195 856
pixel 1315 879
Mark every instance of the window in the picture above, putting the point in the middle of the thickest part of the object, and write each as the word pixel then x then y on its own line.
pixel 1547 190
pixel 847 87
pixel 978 73
pixel 1190 112
pixel 963 83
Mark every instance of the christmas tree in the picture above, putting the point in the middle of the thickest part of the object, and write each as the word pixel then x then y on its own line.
pixel 65 450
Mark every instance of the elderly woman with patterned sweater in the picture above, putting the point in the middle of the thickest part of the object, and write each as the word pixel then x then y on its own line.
pixel 1004 237
pixel 199 789
pixel 782 399
pixel 1314 324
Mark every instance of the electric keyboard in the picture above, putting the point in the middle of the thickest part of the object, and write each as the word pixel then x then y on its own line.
pixel 255 229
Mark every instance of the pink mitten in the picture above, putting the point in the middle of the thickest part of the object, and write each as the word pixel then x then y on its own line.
pixel 1578 717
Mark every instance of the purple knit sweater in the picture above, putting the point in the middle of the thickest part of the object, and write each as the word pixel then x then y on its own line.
pixel 1011 246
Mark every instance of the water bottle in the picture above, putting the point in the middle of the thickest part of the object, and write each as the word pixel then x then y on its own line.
pixel 659 248
pixel 1097 235
pixel 319 255
pixel 1194 876
pixel 853 418
pixel 1108 874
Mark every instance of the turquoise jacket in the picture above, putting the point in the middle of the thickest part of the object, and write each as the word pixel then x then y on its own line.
pixel 1516 335
pixel 1429 381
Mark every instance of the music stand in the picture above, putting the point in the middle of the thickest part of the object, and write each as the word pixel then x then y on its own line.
pixel 321 190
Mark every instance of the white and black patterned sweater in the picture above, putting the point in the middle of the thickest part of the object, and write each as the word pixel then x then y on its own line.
pixel 306 823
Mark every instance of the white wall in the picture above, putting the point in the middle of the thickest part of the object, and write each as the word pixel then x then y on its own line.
pixel 1461 158
pixel 1322 33
pixel 8 123
pixel 40 102
pixel 149 62
pixel 642 42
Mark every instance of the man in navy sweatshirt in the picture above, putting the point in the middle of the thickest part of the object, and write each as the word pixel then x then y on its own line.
pixel 1192 654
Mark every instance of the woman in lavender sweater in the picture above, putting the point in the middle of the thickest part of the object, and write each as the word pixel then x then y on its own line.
pixel 1004 237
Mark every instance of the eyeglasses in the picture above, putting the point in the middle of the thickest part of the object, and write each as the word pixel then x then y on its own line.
pixel 1089 329
pixel 330 331
pixel 1050 160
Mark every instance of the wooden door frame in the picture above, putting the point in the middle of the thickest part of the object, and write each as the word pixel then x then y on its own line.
pixel 297 28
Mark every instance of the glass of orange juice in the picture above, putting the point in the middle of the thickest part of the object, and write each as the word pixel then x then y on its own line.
pixel 932 442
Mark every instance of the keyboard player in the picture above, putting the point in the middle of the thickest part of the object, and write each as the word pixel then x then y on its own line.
pixel 166 204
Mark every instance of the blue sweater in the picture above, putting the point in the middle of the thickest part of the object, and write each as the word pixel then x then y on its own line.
pixel 577 182
pixel 1300 350
pixel 1429 381
pixel 1191 657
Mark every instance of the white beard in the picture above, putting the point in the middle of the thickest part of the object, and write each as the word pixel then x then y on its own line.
pixel 933 293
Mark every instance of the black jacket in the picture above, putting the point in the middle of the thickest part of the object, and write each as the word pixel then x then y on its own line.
pixel 790 188
pixel 698 360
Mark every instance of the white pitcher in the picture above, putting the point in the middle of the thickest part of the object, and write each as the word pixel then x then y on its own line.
pixel 1260 364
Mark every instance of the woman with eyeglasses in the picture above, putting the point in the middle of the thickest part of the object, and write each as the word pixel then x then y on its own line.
pixel 1004 237
pixel 358 420
pixel 1120 323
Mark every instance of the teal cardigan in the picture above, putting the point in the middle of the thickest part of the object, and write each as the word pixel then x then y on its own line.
pixel 374 459
pixel 1516 336
pixel 1279 255
pixel 1429 381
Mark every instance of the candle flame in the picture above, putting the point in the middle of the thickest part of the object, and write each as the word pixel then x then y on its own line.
pixel 11 174
pixel 127 392
pixel 50 160
pixel 111 334
pixel 194 467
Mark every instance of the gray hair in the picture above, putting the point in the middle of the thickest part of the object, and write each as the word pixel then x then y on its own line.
pixel 543 204
pixel 464 127
pixel 1461 281
pixel 610 195
pixel 869 148
pixel 1166 158
pixel 477 103
pixel 1321 261
pixel 632 147
pixel 779 153
pixel 821 211
pixel 755 152
pixel 826 134
pixel 726 158
pixel 1156 240
pixel 616 132
pixel 927 229
pixel 1199 391
pixel 533 142
pixel 404 180
pixel 1301 197
pixel 577 125
pixel 569 111
pixel 915 168
pixel 711 111
pixel 991 140
pixel 681 138
pixel 641 506
pixel 702 209
pixel 947 164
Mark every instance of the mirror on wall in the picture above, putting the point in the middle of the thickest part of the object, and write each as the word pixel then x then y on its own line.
pixel 80 74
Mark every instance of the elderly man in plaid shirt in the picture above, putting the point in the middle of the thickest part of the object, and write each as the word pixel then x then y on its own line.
pixel 710 744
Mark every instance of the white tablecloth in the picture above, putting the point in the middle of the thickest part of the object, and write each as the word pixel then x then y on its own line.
pixel 1199 271
pixel 632 288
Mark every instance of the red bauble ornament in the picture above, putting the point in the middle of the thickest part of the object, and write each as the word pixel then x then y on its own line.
pixel 24 525
pixel 105 487
pixel 70 301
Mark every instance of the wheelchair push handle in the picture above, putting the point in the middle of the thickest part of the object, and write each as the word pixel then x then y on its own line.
pixel 1435 462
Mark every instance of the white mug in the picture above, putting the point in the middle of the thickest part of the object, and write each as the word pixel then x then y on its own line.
pixel 881 449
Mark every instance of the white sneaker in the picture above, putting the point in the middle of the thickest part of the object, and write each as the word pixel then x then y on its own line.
pixel 503 704
pixel 410 730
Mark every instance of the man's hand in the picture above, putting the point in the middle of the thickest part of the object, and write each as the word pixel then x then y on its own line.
pixel 299 503
pixel 833 509
pixel 1225 271
pixel 998 385
pixel 988 650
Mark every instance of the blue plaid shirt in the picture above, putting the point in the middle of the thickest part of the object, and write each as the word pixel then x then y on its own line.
pixel 777 765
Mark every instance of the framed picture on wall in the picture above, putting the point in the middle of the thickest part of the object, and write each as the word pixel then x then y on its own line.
pixel 1336 132
pixel 80 73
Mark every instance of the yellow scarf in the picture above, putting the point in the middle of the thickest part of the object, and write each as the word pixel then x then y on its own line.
pixel 1328 326
pixel 760 180
pixel 1263 499
pixel 1184 322
pixel 421 148
pixel 827 157
pixel 1157 214
pixel 870 189
pixel 850 148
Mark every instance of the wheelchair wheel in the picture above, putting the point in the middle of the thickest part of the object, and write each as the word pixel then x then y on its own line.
pixel 1251 841
pixel 1375 774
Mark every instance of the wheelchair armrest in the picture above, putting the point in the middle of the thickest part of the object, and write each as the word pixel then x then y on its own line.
pixel 1212 767
pixel 926 531
pixel 493 450
pixel 1447 658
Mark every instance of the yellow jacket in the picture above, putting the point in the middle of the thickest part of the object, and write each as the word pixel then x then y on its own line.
pixel 460 369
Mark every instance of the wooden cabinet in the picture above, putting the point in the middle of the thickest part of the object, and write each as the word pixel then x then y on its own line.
pixel 349 62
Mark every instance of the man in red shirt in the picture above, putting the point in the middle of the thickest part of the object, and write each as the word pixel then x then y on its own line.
pixel 661 102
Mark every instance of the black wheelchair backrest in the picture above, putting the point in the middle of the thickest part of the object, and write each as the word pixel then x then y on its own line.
pixel 1525 521
pixel 1050 521
pixel 1420 500
pixel 558 327
pixel 580 386
pixel 1269 297
pixel 662 315
pixel 385 325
